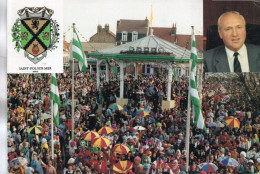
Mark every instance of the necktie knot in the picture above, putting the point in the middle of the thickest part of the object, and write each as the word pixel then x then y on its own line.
pixel 237 66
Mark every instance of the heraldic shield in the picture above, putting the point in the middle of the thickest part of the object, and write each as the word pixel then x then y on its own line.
pixel 37 32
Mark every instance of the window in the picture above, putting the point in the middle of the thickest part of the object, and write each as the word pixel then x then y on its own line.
pixel 131 49
pixel 179 71
pixel 153 50
pixel 124 36
pixel 146 50
pixel 160 50
pixel 134 35
pixel 148 67
pixel 138 49
pixel 187 71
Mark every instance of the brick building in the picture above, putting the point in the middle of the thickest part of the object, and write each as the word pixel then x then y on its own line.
pixel 104 38
pixel 130 30
pixel 183 40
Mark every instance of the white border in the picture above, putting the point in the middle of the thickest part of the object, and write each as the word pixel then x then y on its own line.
pixel 3 89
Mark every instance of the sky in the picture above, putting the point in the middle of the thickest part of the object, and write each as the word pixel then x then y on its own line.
pixel 87 14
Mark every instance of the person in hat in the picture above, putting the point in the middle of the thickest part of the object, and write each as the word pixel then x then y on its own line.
pixel 242 162
pixel 175 167
pixel 258 165
pixel 251 168
pixel 137 167
pixel 70 163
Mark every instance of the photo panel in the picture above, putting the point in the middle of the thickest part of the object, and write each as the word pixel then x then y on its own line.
pixel 120 105
pixel 228 28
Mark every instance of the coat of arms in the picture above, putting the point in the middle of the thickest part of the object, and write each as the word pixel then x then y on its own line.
pixel 35 32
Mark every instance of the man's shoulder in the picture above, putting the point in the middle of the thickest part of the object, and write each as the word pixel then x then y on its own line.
pixel 212 51
pixel 253 46
pixel 210 58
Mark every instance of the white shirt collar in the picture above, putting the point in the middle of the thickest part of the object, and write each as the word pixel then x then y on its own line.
pixel 242 57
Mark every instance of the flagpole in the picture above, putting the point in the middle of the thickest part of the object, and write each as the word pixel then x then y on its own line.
pixel 187 145
pixel 72 88
pixel 52 141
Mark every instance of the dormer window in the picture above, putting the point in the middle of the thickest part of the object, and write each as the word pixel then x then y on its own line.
pixel 124 36
pixel 138 49
pixel 134 35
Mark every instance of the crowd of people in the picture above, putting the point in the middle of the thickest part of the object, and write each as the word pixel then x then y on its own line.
pixel 158 147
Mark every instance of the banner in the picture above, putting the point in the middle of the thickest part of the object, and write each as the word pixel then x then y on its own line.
pixel 34 36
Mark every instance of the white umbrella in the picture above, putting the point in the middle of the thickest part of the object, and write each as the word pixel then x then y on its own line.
pixel 18 162
pixel 140 128
pixel 92 115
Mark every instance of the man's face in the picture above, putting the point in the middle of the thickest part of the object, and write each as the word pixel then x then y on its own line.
pixel 232 31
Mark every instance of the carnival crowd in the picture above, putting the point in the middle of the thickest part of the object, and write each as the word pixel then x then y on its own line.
pixel 156 146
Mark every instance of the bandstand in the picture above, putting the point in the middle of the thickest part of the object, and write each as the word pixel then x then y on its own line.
pixel 150 49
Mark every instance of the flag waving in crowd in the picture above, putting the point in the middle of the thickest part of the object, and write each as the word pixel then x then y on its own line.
pixel 196 106
pixel 78 52
pixel 55 97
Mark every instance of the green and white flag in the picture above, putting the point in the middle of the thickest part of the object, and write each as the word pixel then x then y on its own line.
pixel 196 106
pixel 78 53
pixel 34 101
pixel 56 98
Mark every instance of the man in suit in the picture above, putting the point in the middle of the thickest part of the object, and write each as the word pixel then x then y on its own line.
pixel 235 55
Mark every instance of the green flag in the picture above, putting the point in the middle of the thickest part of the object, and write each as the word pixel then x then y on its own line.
pixel 78 53
pixel 175 74
pixel 56 98
pixel 114 70
pixel 196 106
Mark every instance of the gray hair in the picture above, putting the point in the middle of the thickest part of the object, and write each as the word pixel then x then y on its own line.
pixel 230 12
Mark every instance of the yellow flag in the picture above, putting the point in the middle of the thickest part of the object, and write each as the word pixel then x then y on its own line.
pixel 151 17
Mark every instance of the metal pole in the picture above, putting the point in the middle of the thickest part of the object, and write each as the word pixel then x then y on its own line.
pixel 136 72
pixel 72 91
pixel 187 145
pixel 98 73
pixel 52 141
pixel 107 72
pixel 121 79
pixel 169 83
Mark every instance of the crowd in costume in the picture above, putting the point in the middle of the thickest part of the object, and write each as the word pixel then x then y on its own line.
pixel 138 137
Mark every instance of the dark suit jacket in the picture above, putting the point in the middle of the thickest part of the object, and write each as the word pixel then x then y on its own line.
pixel 215 60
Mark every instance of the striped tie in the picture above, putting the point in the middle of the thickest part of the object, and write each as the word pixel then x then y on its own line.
pixel 237 67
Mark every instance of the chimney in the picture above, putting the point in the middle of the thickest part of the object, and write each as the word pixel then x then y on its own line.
pixel 107 28
pixel 173 30
pixel 99 27
pixel 146 22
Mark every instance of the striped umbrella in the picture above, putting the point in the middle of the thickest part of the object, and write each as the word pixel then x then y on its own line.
pixel 35 130
pixel 229 162
pixel 89 136
pixel 100 142
pixel 232 122
pixel 121 149
pixel 115 106
pixel 142 112
pixel 208 167
pixel 105 130
pixel 123 166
